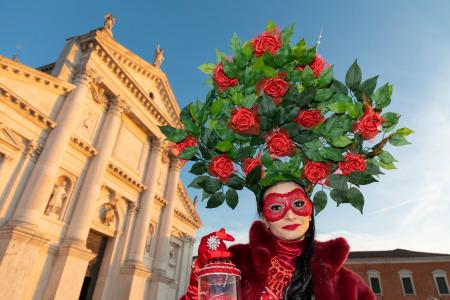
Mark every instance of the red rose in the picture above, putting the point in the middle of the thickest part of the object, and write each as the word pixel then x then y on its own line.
pixel 242 119
pixel 279 143
pixel 316 171
pixel 222 80
pixel 369 125
pixel 317 65
pixel 270 41
pixel 275 87
pixel 352 162
pixel 221 166
pixel 180 146
pixel 250 163
pixel 309 118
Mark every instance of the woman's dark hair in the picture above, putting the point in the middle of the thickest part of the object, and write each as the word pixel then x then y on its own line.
pixel 300 287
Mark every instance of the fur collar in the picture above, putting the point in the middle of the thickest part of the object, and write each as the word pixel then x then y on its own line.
pixel 328 257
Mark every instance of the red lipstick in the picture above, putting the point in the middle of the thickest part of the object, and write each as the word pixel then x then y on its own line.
pixel 291 227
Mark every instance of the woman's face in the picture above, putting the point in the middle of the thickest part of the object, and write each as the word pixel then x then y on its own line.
pixel 287 211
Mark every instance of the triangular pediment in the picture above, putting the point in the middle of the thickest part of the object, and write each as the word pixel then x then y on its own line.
pixel 186 206
pixel 8 139
pixel 150 80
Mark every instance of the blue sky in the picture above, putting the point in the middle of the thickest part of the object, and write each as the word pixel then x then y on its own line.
pixel 405 42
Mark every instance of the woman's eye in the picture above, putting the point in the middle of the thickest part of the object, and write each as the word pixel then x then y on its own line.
pixel 299 203
pixel 276 207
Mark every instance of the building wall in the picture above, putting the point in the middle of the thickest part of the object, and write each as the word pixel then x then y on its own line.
pixel 142 210
pixel 422 277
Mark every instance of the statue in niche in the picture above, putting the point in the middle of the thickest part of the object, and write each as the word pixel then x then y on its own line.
pixel 109 23
pixel 57 199
pixel 158 57
pixel 148 242
pixel 109 214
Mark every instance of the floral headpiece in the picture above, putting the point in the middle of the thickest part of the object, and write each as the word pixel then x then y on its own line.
pixel 276 113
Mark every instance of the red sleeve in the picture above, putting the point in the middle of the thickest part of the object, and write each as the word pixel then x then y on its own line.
pixel 192 290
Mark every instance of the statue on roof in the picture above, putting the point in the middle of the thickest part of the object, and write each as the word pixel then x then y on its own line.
pixel 158 57
pixel 109 23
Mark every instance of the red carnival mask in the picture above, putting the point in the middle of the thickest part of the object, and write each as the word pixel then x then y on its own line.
pixel 277 205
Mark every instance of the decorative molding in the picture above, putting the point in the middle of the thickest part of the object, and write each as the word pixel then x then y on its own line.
pixel 24 234
pixel 83 146
pixel 160 200
pixel 35 76
pixel 126 177
pixel 135 269
pixel 182 193
pixel 397 260
pixel 27 109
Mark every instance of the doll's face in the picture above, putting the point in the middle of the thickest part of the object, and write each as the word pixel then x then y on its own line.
pixel 287 211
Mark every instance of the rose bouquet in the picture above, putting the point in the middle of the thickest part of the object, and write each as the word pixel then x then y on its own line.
pixel 275 112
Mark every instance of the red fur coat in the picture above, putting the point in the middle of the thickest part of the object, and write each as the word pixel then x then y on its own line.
pixel 331 280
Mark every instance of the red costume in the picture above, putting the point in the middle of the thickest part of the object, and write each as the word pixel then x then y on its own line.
pixel 267 265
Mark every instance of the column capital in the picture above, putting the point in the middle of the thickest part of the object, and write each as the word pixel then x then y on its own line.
pixel 85 75
pixel 117 104
pixel 176 163
pixel 157 144
pixel 132 207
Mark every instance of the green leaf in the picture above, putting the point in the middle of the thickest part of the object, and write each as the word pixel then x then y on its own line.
pixel 398 140
pixel 386 157
pixel 305 97
pixel 266 160
pixel 210 185
pixel 341 141
pixel 254 176
pixel 235 43
pixel 235 182
pixel 381 96
pixel 355 197
pixel 196 182
pixel 353 76
pixel 207 68
pixel 271 25
pixel 391 120
pixel 232 198
pixel 266 107
pixel 229 68
pixel 338 196
pixel 361 178
pixel 286 34
pixel 325 78
pixel 199 168
pixel 354 110
pixel 215 200
pixel 220 55
pixel 224 146
pixel 323 95
pixel 320 201
pixel 307 77
pixel 331 153
pixel 404 131
pixel 338 182
pixel 191 128
pixel 372 167
pixel 173 134
pixel 338 107
pixel 389 166
pixel 245 152
pixel 339 87
pixel 225 134
pixel 249 101
pixel 367 87
pixel 188 152
pixel 299 49
pixel 308 56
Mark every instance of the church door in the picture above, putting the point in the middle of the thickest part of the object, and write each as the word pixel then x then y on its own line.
pixel 97 244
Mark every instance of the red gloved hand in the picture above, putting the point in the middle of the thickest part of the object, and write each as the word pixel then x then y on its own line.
pixel 211 246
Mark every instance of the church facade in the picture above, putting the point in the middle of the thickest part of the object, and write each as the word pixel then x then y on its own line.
pixel 91 205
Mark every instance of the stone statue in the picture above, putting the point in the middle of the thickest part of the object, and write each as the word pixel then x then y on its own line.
pixel 195 202
pixel 158 57
pixel 109 23
pixel 57 199
pixel 109 215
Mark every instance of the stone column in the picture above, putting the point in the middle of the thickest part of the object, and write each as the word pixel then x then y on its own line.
pixel 87 200
pixel 134 273
pixel 143 219
pixel 160 283
pixel 39 187
pixel 161 259
pixel 66 278
pixel 185 267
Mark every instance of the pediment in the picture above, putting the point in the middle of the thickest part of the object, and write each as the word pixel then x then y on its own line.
pixel 8 142
pixel 149 80
pixel 185 205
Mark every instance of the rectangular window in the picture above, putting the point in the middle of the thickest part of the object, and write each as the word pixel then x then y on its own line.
pixel 375 284
pixel 442 285
pixel 407 286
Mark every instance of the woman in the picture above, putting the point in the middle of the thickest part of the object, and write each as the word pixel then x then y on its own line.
pixel 282 260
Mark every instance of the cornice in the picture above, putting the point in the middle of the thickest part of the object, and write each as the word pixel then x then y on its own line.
pixel 160 200
pixel 398 260
pixel 34 76
pixel 83 146
pixel 182 193
pixel 27 109
pixel 126 177
pixel 187 218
